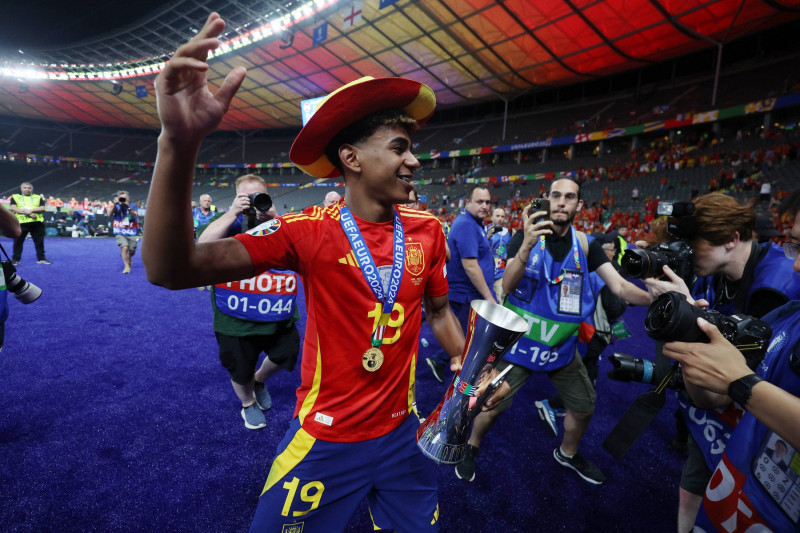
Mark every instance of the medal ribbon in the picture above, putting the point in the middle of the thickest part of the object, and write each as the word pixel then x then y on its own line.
pixel 370 271
pixel 575 256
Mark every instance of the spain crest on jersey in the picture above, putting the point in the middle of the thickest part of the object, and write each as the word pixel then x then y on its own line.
pixel 267 228
pixel 415 258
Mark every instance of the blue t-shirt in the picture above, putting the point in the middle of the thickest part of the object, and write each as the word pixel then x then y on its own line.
pixel 467 239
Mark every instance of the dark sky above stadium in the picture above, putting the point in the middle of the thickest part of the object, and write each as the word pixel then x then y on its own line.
pixel 46 23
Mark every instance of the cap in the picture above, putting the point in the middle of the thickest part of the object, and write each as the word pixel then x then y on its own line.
pixel 351 103
pixel 765 227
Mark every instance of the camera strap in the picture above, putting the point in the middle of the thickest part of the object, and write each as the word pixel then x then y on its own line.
pixel 5 253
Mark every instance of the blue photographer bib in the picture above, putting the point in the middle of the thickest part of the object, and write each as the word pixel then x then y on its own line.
pixel 268 297
pixel 556 311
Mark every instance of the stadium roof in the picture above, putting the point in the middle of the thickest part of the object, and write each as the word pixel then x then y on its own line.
pixel 468 51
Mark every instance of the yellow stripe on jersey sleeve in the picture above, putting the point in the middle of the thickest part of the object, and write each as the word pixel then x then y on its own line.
pixel 289 458
pixel 311 397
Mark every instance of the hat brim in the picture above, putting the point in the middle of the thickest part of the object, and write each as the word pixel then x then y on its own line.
pixel 350 103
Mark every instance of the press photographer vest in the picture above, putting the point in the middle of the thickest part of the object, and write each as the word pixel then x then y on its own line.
pixel 34 200
pixel 268 297
pixel 711 429
pixel 552 337
pixel 124 224
pixel 748 487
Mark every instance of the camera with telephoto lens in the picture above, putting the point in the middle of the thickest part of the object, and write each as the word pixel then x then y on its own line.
pixel 24 291
pixel 540 204
pixel 672 318
pixel 677 254
pixel 259 202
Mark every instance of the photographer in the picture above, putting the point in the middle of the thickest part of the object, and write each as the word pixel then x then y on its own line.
pixel 741 495
pixel 244 331
pixel 125 223
pixel 9 227
pixel 740 277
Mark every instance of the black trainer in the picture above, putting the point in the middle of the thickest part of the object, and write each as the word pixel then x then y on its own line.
pixel 437 369
pixel 585 468
pixel 465 470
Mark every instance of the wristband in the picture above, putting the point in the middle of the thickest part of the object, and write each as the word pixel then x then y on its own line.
pixel 741 389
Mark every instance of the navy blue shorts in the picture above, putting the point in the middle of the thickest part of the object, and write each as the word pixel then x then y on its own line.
pixel 316 486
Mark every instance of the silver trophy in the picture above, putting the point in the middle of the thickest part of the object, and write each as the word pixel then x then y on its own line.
pixel 492 330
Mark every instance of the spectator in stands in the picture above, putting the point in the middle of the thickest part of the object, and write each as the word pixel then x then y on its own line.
pixel 331 198
pixel 499 237
pixel 28 208
pixel 471 268
pixel 203 214
pixel 265 324
pixel 125 224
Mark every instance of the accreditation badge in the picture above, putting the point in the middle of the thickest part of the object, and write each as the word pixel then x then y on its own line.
pixel 569 293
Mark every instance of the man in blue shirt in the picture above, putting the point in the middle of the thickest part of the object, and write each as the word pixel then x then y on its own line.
pixel 499 237
pixel 470 272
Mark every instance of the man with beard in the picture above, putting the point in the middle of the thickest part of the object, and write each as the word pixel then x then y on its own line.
pixel 547 282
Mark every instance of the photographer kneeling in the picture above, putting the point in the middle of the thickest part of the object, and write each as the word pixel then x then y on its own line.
pixel 749 489
pixel 254 315
pixel 739 276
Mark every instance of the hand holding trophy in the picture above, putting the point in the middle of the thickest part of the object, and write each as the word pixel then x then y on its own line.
pixel 492 330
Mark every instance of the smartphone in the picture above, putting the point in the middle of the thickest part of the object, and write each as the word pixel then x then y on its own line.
pixel 540 204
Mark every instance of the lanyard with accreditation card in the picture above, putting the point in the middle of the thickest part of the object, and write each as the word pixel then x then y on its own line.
pixel 373 357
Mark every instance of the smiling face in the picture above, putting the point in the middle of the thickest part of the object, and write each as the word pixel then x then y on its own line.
pixel 385 163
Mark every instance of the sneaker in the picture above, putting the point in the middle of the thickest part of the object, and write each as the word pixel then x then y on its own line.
pixel 126 270
pixel 585 468
pixel 43 262
pixel 561 412
pixel 465 470
pixel 437 368
pixel 253 417
pixel 263 398
pixel 548 415
pixel 15 263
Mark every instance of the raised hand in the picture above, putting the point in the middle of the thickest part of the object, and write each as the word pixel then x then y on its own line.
pixel 187 108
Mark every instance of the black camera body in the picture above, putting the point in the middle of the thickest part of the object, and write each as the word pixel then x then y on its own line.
pixel 259 202
pixel 671 318
pixel 540 204
pixel 677 254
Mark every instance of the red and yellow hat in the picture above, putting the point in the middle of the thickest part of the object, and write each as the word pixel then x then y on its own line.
pixel 350 103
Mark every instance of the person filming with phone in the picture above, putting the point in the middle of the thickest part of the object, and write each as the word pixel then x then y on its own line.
pixel 547 282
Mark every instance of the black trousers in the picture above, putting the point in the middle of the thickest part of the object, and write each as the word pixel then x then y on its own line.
pixel 36 229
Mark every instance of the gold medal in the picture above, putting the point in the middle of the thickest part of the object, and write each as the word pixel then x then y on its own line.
pixel 372 359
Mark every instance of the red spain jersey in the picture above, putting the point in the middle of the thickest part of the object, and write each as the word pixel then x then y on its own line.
pixel 338 400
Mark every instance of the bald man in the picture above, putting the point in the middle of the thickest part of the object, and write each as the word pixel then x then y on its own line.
pixel 331 198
